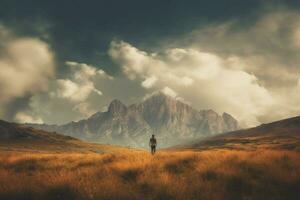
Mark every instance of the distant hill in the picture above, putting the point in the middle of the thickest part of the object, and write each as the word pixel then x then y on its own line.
pixel 171 120
pixel 12 131
pixel 283 134
pixel 16 137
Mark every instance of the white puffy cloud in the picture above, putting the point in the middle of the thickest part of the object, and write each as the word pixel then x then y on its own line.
pixel 249 71
pixel 134 61
pixel 268 47
pixel 149 82
pixel 80 85
pixel 295 37
pixel 76 95
pixel 74 91
pixel 83 72
pixel 168 91
pixel 23 117
pixel 202 78
pixel 26 65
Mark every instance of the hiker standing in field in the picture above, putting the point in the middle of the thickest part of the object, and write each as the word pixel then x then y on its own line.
pixel 152 144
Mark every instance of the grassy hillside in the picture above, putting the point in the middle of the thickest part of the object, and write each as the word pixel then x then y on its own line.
pixel 129 174
pixel 19 138
pixel 245 165
pixel 280 135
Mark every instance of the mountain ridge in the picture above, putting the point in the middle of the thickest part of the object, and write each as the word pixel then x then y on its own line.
pixel 280 134
pixel 166 117
pixel 17 137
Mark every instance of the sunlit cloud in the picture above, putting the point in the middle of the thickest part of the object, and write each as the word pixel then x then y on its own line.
pixel 202 78
pixel 26 66
pixel 23 117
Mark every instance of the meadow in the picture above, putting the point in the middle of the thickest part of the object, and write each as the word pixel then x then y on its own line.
pixel 135 174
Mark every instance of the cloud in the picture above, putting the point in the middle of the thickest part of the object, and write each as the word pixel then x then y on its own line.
pixel 149 82
pixel 250 70
pixel 83 72
pixel 26 65
pixel 203 78
pixel 84 108
pixel 75 92
pixel 80 85
pixel 22 117
pixel 295 37
pixel 168 91
pixel 267 47
pixel 81 91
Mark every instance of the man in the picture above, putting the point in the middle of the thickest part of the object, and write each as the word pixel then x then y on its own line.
pixel 152 144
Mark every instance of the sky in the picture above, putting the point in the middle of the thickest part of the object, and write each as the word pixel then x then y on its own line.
pixel 62 61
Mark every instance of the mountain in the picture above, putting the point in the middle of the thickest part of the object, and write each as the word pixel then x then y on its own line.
pixel 283 134
pixel 171 120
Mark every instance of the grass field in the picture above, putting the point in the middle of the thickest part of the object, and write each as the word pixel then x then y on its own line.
pixel 132 174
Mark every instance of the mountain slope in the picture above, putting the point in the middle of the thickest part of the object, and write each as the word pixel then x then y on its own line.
pixel 283 134
pixel 15 132
pixel 16 137
pixel 169 119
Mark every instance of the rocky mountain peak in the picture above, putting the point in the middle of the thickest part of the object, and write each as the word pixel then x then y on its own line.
pixel 227 115
pixel 158 96
pixel 116 106
pixel 230 121
pixel 160 99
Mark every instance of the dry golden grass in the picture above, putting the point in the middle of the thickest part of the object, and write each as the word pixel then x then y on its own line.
pixel 130 174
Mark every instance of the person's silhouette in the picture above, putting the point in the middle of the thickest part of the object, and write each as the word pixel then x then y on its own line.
pixel 152 144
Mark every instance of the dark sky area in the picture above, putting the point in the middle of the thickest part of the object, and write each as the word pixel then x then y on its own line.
pixel 82 30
